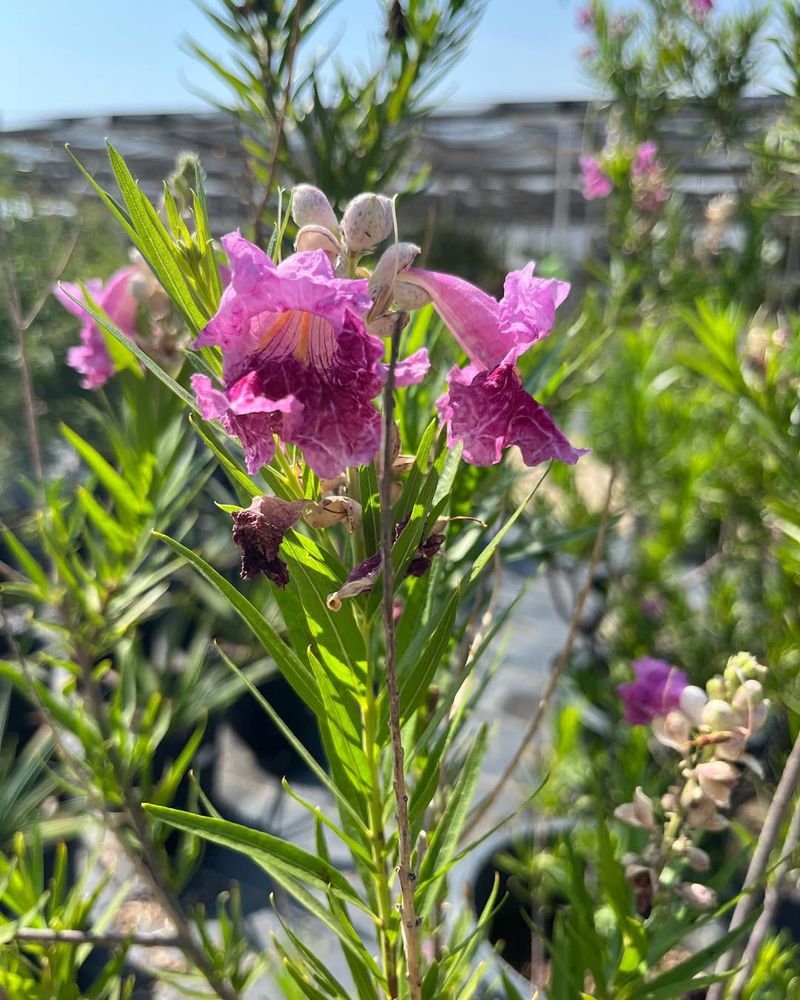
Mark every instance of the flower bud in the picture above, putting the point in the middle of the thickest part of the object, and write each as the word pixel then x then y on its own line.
pixel 747 666
pixel 318 238
pixel 716 688
pixel 410 296
pixel 718 715
pixel 749 694
pixel 691 703
pixel 310 207
pixel 366 222
pixel 697 895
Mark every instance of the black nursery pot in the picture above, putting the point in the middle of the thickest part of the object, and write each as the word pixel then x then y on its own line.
pixel 273 752
pixel 508 934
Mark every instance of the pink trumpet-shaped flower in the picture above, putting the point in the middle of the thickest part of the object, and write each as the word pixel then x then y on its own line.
pixel 297 360
pixel 487 408
pixel 91 357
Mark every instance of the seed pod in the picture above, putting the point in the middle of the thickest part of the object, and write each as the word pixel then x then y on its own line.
pixel 318 238
pixel 366 222
pixel 310 207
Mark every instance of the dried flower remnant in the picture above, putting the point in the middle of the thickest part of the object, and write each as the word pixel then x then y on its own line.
pixel 259 532
pixel 363 578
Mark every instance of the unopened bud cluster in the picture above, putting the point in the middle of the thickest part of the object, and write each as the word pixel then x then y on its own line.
pixel 710 729
pixel 367 222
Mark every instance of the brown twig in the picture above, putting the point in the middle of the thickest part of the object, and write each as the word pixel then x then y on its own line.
pixel 489 800
pixel 787 787
pixel 152 866
pixel 406 875
pixel 44 935
pixel 771 899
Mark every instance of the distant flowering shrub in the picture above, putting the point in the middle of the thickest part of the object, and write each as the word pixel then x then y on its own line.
pixel 644 173
pixel 709 729
pixel 701 7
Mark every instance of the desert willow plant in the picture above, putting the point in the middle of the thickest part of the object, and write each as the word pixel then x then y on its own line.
pixel 351 505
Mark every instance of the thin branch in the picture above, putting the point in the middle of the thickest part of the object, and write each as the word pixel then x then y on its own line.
pixel 787 786
pixel 14 309
pixel 44 935
pixel 541 709
pixel 407 877
pixel 280 123
pixel 153 868
pixel 771 899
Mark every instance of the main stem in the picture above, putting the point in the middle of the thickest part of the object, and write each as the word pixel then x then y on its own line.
pixel 405 873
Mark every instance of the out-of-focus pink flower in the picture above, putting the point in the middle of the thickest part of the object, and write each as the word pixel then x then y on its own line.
pixel 297 360
pixel 656 690
pixel 487 408
pixel 586 16
pixel 596 184
pixel 701 8
pixel 645 159
pixel 647 178
pixel 91 357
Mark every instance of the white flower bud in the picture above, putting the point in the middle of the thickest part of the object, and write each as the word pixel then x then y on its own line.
pixel 310 207
pixel 318 238
pixel 718 715
pixel 698 895
pixel 692 700
pixel 716 688
pixel 410 296
pixel 394 261
pixel 386 325
pixel 366 222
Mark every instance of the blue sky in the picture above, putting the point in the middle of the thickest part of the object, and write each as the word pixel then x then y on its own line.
pixel 72 57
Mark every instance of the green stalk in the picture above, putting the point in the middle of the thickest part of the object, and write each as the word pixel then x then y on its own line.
pixel 377 839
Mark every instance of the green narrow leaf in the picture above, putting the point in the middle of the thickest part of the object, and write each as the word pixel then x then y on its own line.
pixel 119 489
pixel 275 856
pixel 489 551
pixel 289 663
pixel 445 837
pixel 26 561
